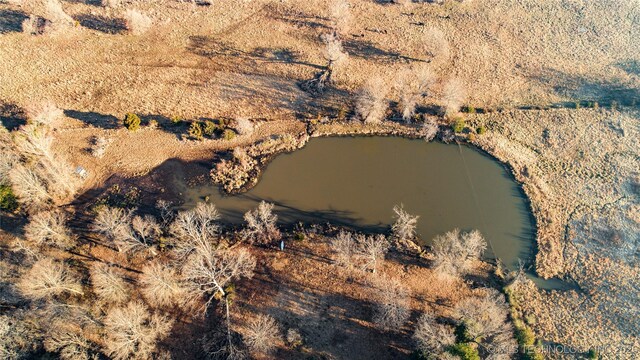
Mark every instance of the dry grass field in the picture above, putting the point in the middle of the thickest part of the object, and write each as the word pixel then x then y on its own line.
pixel 229 59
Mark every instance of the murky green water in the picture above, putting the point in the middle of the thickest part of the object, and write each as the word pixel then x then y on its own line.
pixel 357 181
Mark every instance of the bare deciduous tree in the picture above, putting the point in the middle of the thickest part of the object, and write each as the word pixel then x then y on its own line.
pixel 29 187
pixel 99 146
pixel 341 17
pixel 110 286
pixel 56 13
pixel 195 229
pixel 336 59
pixel 206 273
pixel 372 249
pixel 137 23
pixel 392 303
pixel 453 95
pixel 429 129
pixel 68 341
pixel 261 225
pixel 413 84
pixel 454 252
pixel 436 45
pixel 110 220
pixel 263 334
pixel 48 278
pixel 244 126
pixel 46 113
pixel 371 103
pixel 344 248
pixel 133 332
pixel 160 285
pixel 49 228
pixel 431 337
pixel 486 321
pixel 139 235
pixel 404 228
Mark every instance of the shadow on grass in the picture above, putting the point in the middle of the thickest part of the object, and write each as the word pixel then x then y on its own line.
pixel 101 23
pixel 11 20
pixel 12 116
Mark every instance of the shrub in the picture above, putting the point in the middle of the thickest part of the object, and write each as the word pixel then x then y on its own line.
pixel 209 128
pixel 294 339
pixel 228 134
pixel 464 351
pixel 299 236
pixel 195 130
pixel 525 336
pixel 176 120
pixel 469 109
pixel 593 354
pixel 132 122
pixel 481 130
pixel 137 22
pixel 8 200
pixel 458 125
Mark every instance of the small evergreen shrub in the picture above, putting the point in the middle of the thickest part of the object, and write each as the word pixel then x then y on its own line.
pixel 458 125
pixel 464 351
pixel 469 109
pixel 195 130
pixel 525 336
pixel 481 130
pixel 176 120
pixel 593 354
pixel 299 236
pixel 210 128
pixel 132 122
pixel 228 134
pixel 8 201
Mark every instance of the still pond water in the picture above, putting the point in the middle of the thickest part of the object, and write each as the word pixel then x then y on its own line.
pixel 357 181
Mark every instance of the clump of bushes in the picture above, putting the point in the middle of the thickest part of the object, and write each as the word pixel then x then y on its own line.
pixel 8 200
pixel 132 121
pixel 195 130
pixel 228 134
pixel 464 351
pixel 176 120
pixel 458 125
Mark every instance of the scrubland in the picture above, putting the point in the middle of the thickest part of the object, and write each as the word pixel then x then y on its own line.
pixel 554 84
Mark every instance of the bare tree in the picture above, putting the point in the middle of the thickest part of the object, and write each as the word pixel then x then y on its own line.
pixel 453 95
pixel 46 113
pixel 263 334
pixel 336 59
pixel 49 228
pixel 372 249
pixel 137 23
pixel 486 322
pixel 344 248
pixel 431 337
pixel 371 103
pixel 68 341
pixel 429 129
pixel 436 45
pixel 413 84
pixel 341 17
pixel 29 187
pixel 56 13
pixel 454 252
pixel 48 278
pixel 110 286
pixel 392 303
pixel 207 273
pixel 110 221
pixel 140 235
pixel 261 225
pixel 133 332
pixel 404 228
pixel 195 229
pixel 99 146
pixel 160 285
pixel 244 126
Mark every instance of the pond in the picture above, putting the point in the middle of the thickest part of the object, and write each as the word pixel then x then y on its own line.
pixel 357 181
